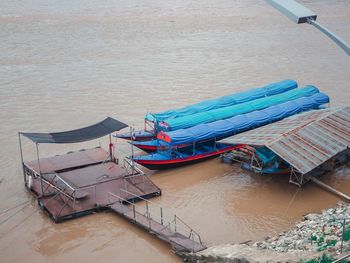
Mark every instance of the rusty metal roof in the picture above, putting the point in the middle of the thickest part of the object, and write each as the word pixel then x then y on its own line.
pixel 305 140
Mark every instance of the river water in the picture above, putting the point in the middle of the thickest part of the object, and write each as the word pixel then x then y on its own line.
pixel 67 64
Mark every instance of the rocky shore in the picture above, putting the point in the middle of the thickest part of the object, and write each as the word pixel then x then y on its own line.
pixel 310 238
pixel 316 233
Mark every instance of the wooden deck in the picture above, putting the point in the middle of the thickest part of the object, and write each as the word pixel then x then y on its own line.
pixel 69 161
pixel 178 241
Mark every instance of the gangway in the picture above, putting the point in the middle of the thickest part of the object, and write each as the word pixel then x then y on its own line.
pixel 152 218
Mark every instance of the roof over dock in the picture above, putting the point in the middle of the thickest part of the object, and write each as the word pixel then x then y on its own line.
pixel 100 129
pixel 305 140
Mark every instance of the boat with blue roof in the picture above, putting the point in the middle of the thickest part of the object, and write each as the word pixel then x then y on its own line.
pixel 171 120
pixel 200 142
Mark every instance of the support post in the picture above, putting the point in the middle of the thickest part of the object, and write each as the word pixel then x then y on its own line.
pixel 133 209
pixel 74 199
pixel 161 216
pixel 192 244
pixel 110 148
pixel 41 177
pixel 149 220
pixel 342 238
pixel 132 150
pixel 95 195
pixel 175 222
pixel 21 153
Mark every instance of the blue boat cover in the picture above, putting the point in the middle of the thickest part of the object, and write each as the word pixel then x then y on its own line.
pixel 230 111
pixel 235 98
pixel 228 127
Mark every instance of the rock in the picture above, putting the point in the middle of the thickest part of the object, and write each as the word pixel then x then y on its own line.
pixel 299 245
pixel 313 232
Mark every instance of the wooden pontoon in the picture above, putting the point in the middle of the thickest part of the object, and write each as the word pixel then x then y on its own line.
pixel 86 181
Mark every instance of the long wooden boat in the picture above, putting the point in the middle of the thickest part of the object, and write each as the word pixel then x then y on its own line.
pixel 148 146
pixel 181 118
pixel 136 136
pixel 161 161
pixel 190 145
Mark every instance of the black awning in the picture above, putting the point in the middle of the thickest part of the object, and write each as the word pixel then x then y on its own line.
pixel 95 131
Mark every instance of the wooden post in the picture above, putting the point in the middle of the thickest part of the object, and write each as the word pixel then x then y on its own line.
pixel 161 216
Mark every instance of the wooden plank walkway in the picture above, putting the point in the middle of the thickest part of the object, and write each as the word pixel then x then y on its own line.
pixel 178 241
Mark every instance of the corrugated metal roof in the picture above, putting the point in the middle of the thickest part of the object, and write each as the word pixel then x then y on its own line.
pixel 305 140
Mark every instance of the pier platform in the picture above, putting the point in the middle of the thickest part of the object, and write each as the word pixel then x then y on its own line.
pixel 77 183
pixel 90 180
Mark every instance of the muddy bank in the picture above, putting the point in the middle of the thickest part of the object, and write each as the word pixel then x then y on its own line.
pixel 315 235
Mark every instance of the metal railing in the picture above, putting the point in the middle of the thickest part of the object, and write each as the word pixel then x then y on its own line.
pixel 62 189
pixel 154 213
pixel 130 167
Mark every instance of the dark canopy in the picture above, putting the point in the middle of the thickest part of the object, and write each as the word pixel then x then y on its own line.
pixel 95 131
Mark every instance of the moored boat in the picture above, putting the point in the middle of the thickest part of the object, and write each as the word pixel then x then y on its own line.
pixel 197 143
pixel 136 136
pixel 185 156
pixel 147 146
pixel 155 122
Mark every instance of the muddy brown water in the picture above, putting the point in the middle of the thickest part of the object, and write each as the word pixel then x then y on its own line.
pixel 67 64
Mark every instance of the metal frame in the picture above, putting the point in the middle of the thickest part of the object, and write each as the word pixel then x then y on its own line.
pixel 296 177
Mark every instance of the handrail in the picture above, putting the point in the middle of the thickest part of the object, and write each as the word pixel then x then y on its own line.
pixel 140 197
pixel 64 181
pixel 60 190
pixel 191 231
pixel 127 160
pixel 54 173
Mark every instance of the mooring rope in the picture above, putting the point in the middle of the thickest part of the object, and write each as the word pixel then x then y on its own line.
pixel 290 202
pixel 19 210
pixel 32 213
pixel 22 221
pixel 11 208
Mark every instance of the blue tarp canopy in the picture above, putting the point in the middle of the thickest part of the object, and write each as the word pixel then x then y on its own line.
pixel 228 112
pixel 228 127
pixel 225 101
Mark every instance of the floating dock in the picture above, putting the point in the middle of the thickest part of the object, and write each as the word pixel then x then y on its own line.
pixel 78 183
pixel 91 180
